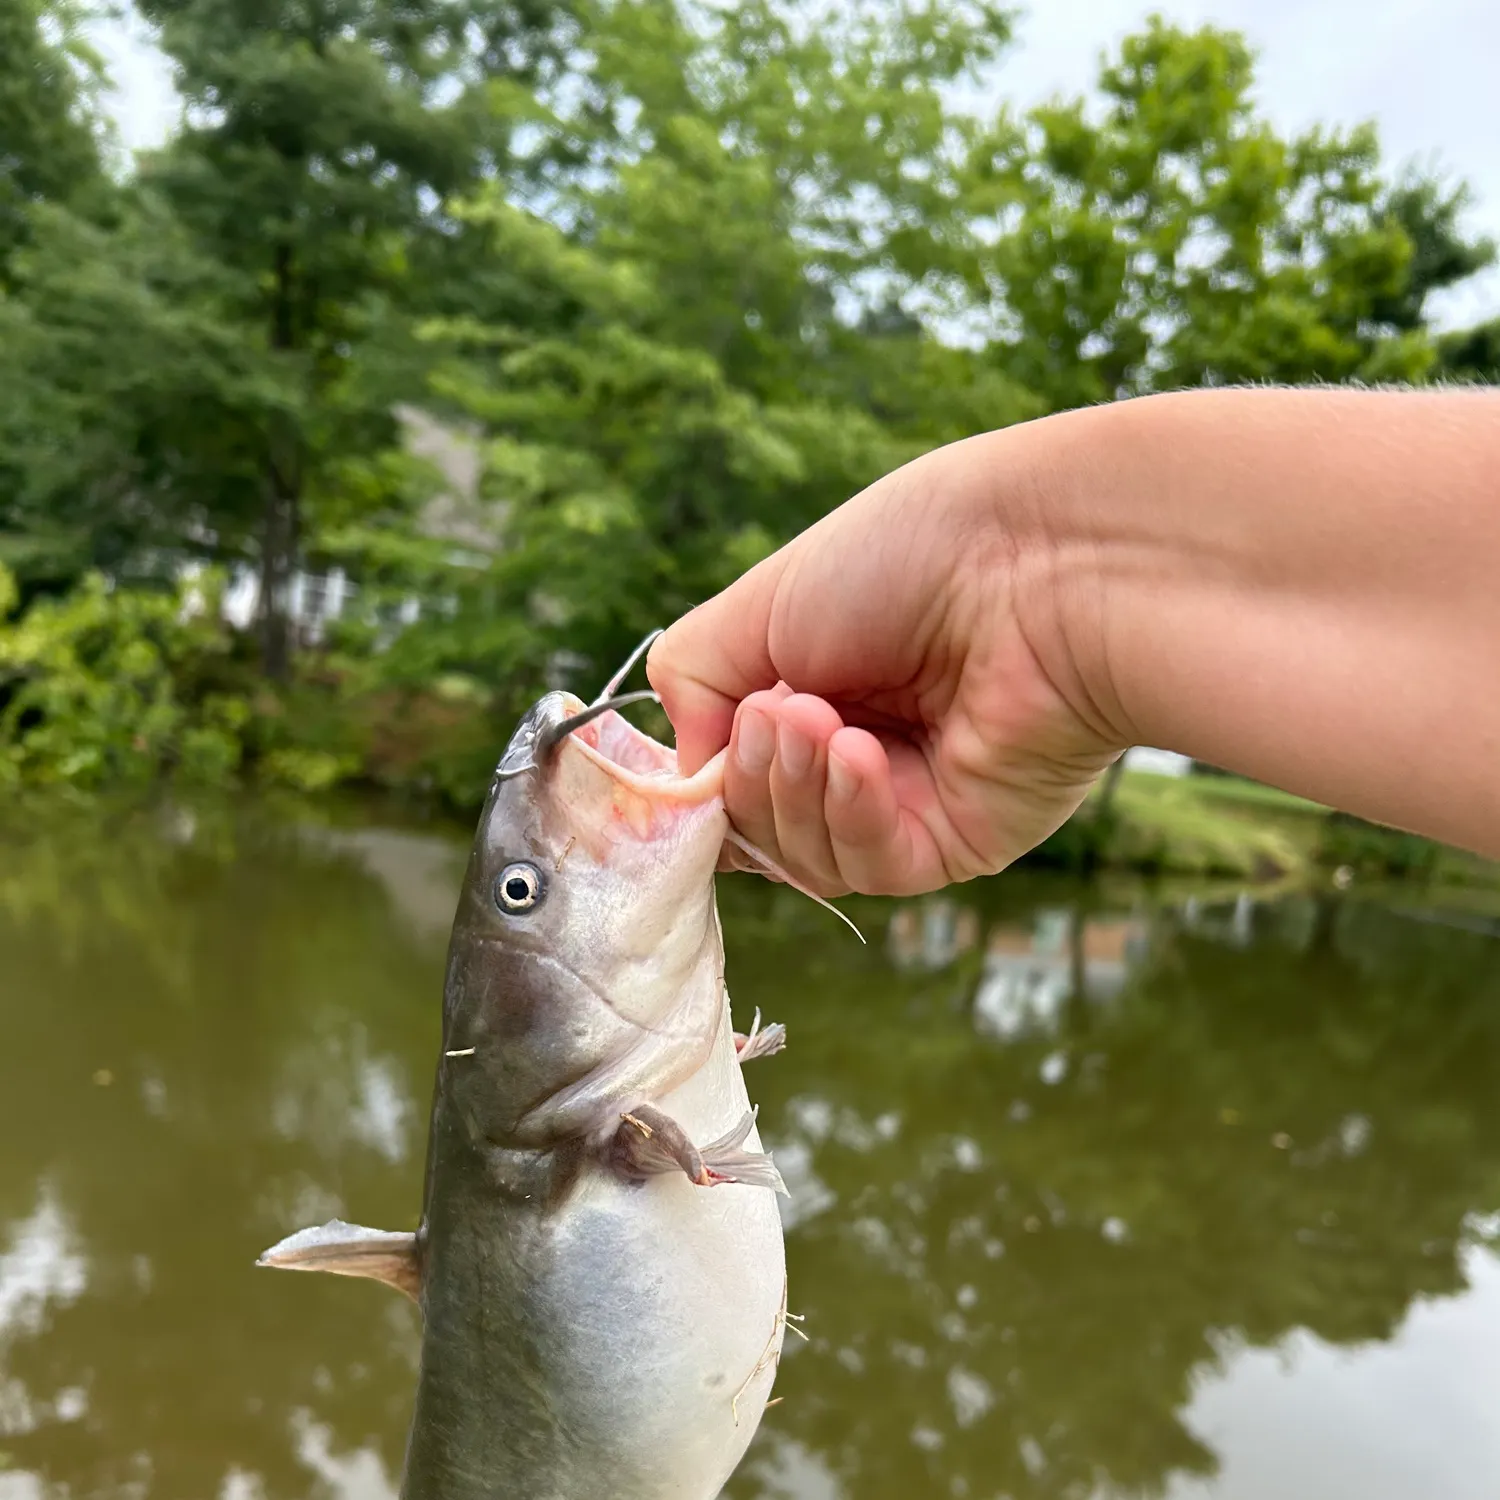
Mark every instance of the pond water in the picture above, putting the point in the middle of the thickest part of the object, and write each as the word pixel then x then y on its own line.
pixel 1097 1192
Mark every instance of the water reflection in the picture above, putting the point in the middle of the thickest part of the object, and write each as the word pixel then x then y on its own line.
pixel 1093 1196
pixel 1313 1418
pixel 40 1270
pixel 1022 1289
pixel 1033 970
pixel 930 934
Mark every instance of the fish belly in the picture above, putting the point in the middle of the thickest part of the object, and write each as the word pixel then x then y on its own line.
pixel 667 1303
pixel 620 1346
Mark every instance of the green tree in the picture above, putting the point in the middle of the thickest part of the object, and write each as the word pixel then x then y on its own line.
pixel 319 145
pixel 129 401
pixel 50 133
pixel 52 144
pixel 1443 255
pixel 696 347
pixel 781 177
pixel 1472 353
pixel 1169 237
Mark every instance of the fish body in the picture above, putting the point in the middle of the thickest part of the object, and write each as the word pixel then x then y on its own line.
pixel 600 1265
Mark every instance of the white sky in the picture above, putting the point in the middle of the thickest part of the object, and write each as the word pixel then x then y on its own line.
pixel 1427 71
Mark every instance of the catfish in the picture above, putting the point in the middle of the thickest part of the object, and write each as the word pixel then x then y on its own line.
pixel 599 1263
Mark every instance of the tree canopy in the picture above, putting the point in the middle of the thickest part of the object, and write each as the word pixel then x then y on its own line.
pixel 687 276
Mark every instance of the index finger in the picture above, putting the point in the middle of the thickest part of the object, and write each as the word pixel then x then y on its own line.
pixel 714 656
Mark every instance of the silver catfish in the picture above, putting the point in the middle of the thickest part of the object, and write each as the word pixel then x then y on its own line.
pixel 599 1263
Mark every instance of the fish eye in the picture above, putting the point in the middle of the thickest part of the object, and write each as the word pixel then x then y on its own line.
pixel 518 888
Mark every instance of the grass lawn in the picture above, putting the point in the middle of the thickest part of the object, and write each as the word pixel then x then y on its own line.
pixel 1209 826
pixel 1223 826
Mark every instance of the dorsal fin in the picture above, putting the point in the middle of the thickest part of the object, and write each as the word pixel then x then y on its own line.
pixel 344 1249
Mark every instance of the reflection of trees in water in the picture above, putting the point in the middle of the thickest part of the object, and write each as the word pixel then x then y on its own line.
pixel 262 1030
pixel 1281 1119
pixel 1014 1250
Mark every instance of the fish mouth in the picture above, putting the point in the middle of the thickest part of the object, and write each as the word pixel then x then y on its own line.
pixel 562 735
pixel 638 763
pixel 560 727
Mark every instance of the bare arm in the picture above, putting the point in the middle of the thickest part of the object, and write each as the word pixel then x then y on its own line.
pixel 1303 586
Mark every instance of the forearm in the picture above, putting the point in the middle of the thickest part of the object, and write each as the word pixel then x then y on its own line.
pixel 1303 587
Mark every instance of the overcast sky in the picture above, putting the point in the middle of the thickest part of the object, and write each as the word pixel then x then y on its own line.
pixel 1427 71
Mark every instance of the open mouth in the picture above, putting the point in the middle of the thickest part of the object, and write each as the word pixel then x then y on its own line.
pixel 654 794
pixel 643 764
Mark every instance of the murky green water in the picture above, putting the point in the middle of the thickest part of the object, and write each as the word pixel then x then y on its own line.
pixel 1094 1195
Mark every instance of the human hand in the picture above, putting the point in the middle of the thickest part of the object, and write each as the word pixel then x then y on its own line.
pixel 894 685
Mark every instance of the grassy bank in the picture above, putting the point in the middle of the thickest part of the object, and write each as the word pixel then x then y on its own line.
pixel 1223 826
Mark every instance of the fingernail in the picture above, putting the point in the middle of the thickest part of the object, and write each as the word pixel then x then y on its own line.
pixel 794 750
pixel 754 742
pixel 843 783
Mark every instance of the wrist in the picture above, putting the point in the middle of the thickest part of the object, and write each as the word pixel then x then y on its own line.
pixel 1084 556
pixel 1293 585
pixel 1130 565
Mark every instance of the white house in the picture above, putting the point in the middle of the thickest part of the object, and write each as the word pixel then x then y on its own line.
pixel 455 514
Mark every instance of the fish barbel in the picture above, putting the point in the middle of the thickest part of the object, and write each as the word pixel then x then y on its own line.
pixel 599 1264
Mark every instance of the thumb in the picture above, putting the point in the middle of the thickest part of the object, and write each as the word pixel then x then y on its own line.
pixel 714 656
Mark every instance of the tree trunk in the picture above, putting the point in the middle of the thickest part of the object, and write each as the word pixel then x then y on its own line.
pixel 278 560
pixel 281 528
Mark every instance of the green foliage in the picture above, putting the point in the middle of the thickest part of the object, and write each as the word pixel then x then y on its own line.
pixel 49 134
pixel 108 686
pixel 255 289
pixel 744 311
pixel 1442 254
pixel 1472 353
pixel 307 770
pixel 1371 848
pixel 1169 237
pixel 680 388
pixel 685 275
pixel 125 393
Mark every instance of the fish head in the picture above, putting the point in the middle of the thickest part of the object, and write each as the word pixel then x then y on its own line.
pixel 588 906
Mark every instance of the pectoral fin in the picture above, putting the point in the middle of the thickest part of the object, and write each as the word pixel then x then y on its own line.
pixel 760 1042
pixel 649 1143
pixel 352 1250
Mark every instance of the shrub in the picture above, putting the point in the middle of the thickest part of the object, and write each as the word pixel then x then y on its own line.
pixel 107 686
